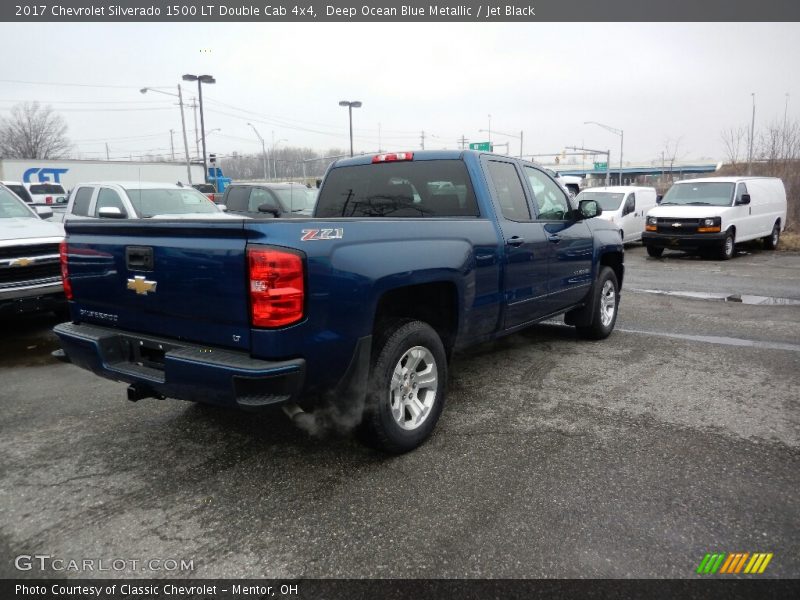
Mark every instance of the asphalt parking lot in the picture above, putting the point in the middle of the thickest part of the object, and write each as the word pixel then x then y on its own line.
pixel 631 457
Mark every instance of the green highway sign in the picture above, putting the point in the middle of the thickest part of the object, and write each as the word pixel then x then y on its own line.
pixel 603 166
pixel 482 146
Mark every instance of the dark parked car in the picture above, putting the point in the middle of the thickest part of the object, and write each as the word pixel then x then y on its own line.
pixel 271 200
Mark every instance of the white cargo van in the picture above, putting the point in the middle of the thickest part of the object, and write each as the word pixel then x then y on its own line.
pixel 715 213
pixel 623 205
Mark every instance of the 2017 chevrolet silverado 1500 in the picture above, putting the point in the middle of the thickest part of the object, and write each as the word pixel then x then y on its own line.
pixel 408 257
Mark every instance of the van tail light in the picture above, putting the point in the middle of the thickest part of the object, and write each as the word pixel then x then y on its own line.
pixel 48 199
pixel 63 251
pixel 277 287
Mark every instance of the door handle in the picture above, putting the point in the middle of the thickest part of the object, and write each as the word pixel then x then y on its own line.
pixel 553 238
pixel 515 241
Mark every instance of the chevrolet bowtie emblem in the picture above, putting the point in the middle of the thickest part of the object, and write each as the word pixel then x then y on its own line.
pixel 141 286
pixel 676 224
pixel 21 262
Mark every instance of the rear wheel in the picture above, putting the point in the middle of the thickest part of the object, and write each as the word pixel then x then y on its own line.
pixel 605 303
pixel 771 241
pixel 407 387
pixel 654 251
pixel 728 247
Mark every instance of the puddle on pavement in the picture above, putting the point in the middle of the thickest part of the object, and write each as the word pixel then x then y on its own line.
pixel 741 298
pixel 725 341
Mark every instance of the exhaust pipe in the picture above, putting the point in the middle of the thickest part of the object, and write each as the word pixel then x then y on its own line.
pixel 292 410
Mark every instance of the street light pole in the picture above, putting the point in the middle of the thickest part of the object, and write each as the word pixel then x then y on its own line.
pixel 263 149
pixel 201 79
pixel 752 134
pixel 275 162
pixel 621 135
pixel 350 106
pixel 183 124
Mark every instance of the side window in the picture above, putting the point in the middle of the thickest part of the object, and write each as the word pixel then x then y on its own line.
pixel 630 205
pixel 259 196
pixel 237 197
pixel 107 198
pixel 82 199
pixel 741 190
pixel 509 191
pixel 551 201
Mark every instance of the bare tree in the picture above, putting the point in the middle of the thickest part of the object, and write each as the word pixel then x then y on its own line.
pixel 734 139
pixel 33 131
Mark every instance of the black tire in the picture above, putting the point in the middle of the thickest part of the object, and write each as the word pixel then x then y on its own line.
pixel 654 251
pixel 771 241
pixel 728 248
pixel 385 409
pixel 601 325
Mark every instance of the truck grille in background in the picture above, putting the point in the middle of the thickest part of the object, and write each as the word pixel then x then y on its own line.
pixel 20 275
pixel 28 251
pixel 683 226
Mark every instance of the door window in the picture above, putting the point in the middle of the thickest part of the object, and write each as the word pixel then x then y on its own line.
pixel 82 199
pixel 108 198
pixel 548 197
pixel 741 190
pixel 510 193
pixel 237 197
pixel 260 196
pixel 630 205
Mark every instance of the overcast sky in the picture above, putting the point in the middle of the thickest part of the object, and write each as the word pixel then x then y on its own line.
pixel 657 82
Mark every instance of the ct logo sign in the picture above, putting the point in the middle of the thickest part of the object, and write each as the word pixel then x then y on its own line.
pixel 44 174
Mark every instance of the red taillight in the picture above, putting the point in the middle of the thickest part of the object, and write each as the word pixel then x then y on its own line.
pixel 63 250
pixel 48 199
pixel 277 288
pixel 393 157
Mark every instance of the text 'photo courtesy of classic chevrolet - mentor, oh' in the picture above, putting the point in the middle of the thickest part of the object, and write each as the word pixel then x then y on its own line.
pixel 414 256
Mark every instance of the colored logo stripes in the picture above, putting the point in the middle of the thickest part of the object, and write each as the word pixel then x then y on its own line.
pixel 734 563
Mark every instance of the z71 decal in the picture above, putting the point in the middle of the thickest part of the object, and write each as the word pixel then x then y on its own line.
pixel 310 235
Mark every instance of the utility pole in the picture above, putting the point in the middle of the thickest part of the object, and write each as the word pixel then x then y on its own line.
pixel 196 137
pixel 752 132
pixel 463 142
pixel 520 144
pixel 379 141
pixel 422 140
pixel 107 158
pixel 171 145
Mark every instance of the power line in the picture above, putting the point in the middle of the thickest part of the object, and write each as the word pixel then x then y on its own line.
pixel 90 85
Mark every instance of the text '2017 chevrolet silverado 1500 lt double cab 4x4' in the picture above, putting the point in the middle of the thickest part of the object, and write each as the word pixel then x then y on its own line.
pixel 408 257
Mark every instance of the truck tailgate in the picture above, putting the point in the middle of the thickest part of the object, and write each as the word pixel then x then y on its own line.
pixel 182 280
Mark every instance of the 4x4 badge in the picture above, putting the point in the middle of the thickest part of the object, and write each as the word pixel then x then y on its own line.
pixel 142 286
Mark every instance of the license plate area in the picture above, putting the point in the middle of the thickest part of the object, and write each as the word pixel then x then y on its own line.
pixel 143 352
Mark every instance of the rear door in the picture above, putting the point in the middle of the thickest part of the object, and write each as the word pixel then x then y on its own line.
pixel 570 244
pixel 526 248
pixel 178 279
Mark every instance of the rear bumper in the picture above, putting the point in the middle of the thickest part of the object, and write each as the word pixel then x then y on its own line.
pixel 697 240
pixel 162 367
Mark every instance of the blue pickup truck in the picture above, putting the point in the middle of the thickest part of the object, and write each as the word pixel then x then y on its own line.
pixel 408 258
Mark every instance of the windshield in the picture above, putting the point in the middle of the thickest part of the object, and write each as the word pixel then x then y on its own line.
pixel 170 201
pixel 295 199
pixel 46 188
pixel 606 200
pixel 11 206
pixel 699 194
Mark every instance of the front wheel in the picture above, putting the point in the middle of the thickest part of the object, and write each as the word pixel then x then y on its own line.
pixel 407 387
pixel 771 241
pixel 605 301
pixel 728 247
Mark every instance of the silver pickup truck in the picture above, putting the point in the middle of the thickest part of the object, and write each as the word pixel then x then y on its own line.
pixel 30 268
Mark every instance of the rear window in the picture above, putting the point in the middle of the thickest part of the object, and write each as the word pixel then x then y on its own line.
pixel 431 188
pixel 20 191
pixel 205 188
pixel 151 202
pixel 46 188
pixel 606 200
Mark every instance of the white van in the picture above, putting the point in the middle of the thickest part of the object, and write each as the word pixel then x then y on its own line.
pixel 715 213
pixel 623 205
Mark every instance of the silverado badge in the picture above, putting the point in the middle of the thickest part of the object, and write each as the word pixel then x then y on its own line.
pixel 141 286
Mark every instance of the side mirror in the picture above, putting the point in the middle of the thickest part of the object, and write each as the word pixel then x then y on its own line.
pixel 745 199
pixel 269 208
pixel 44 212
pixel 61 200
pixel 589 209
pixel 222 207
pixel 111 212
pixel 659 198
